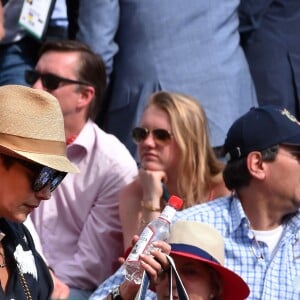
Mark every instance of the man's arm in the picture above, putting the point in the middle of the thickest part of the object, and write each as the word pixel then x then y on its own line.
pixel 98 22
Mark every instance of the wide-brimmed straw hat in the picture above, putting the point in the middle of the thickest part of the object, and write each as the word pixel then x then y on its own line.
pixel 201 242
pixel 32 127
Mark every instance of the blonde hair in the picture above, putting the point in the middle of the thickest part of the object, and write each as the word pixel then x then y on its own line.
pixel 197 164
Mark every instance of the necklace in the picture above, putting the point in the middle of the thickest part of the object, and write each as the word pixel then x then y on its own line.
pixel 3 265
pixel 256 249
pixel 25 285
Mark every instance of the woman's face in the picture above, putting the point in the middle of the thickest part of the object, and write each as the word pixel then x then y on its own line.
pixel 17 199
pixel 196 277
pixel 154 154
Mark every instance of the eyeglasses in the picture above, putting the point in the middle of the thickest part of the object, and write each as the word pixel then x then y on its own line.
pixel 50 81
pixel 139 134
pixel 43 175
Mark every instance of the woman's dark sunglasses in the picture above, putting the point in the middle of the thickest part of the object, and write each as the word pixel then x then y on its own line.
pixel 50 81
pixel 139 134
pixel 44 176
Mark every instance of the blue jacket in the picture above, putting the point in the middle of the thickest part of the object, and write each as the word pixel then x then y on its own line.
pixel 188 46
pixel 270 38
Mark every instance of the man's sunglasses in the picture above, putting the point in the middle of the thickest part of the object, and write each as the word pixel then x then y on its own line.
pixel 50 81
pixel 44 176
pixel 139 134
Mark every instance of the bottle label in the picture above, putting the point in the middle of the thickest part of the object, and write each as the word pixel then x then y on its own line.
pixel 141 244
pixel 168 213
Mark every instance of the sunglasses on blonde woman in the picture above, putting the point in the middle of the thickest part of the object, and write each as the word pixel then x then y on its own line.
pixel 139 134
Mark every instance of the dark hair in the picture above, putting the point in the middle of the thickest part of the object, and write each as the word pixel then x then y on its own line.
pixel 91 69
pixel 236 174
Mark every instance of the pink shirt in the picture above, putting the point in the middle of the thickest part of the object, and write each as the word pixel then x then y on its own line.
pixel 79 227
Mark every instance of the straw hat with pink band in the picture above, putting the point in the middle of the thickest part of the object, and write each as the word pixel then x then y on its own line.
pixel 201 242
pixel 32 127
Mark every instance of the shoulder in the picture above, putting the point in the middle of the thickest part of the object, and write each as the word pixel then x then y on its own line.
pixel 111 146
pixel 216 212
pixel 106 150
pixel 31 264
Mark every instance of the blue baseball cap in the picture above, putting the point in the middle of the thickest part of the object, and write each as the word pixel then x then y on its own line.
pixel 261 128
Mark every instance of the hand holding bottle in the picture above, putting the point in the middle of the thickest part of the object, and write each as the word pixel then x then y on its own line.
pixel 157 229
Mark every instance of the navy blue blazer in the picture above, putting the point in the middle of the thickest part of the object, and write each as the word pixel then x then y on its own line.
pixel 270 38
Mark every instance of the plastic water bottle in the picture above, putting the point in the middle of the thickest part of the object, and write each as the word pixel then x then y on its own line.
pixel 158 229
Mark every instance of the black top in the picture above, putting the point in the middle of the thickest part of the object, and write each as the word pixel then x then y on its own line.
pixel 22 258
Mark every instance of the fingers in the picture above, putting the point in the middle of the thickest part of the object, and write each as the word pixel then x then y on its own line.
pixel 121 260
pixel 156 263
pixel 134 240
pixel 153 267
pixel 61 290
pixel 152 175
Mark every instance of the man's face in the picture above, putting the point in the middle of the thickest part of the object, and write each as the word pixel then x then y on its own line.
pixel 284 179
pixel 62 64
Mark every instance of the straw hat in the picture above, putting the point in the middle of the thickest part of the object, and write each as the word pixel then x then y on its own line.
pixel 32 127
pixel 201 242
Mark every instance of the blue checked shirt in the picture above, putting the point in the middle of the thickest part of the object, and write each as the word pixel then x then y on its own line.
pixel 269 278
pixel 116 279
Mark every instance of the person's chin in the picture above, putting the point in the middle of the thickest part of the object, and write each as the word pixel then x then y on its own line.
pixel 17 218
pixel 152 165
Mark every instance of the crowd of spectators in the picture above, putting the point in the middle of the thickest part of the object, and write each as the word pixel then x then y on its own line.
pixel 188 98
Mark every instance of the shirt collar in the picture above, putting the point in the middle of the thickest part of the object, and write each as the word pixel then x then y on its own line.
pixel 239 217
pixel 84 139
